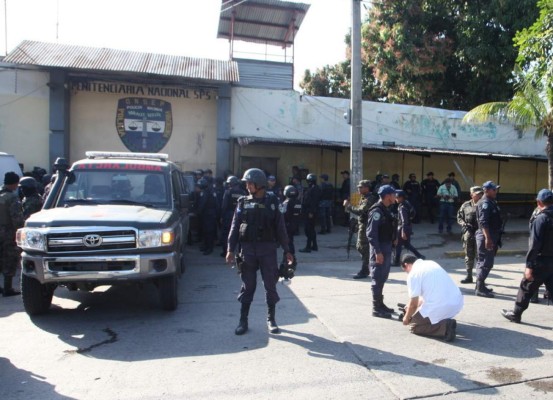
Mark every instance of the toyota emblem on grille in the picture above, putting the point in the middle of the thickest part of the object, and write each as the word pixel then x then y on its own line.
pixel 92 240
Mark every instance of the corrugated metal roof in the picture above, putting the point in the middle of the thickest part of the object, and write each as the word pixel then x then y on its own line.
pixel 245 140
pixel 103 59
pixel 261 21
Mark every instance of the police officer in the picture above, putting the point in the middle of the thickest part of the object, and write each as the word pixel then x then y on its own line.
pixel 487 236
pixel 291 208
pixel 310 207
pixel 273 188
pixel 11 219
pixel 207 215
pixel 380 234
pixel 413 190
pixel 32 202
pixel 362 213
pixel 258 225
pixel 230 200
pixel 539 259
pixel 325 204
pixel 466 217
pixel 404 227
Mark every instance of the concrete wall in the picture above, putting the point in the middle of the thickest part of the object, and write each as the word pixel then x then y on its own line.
pixel 192 143
pixel 286 115
pixel 24 116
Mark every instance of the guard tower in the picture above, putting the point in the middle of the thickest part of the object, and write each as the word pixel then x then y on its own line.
pixel 273 23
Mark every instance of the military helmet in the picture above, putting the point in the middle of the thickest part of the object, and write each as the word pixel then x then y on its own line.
pixel 232 180
pixel 255 176
pixel 290 191
pixel 311 178
pixel 202 183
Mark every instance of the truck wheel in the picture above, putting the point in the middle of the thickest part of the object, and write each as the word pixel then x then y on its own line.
pixel 168 292
pixel 37 297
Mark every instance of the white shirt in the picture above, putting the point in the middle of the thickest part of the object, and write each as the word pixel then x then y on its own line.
pixel 442 298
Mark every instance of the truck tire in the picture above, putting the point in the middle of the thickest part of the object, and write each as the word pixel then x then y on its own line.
pixel 37 297
pixel 168 292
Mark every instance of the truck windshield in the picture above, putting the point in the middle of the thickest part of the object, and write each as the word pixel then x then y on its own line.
pixel 116 187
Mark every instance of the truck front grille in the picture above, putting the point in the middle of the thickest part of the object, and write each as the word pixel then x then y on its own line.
pixel 90 266
pixel 92 241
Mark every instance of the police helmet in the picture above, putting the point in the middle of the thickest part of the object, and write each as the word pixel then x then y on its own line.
pixel 311 178
pixel 202 183
pixel 255 176
pixel 290 192
pixel 232 180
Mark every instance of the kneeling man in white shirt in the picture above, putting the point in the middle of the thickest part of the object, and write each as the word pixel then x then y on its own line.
pixel 434 299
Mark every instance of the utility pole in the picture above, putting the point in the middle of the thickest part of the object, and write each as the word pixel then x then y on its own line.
pixel 356 159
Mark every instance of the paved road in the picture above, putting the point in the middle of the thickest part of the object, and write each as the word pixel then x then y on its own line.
pixel 115 343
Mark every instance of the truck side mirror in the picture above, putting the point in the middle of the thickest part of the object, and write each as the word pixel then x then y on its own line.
pixel 184 201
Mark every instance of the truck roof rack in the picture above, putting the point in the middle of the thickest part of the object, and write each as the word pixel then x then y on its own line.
pixel 122 154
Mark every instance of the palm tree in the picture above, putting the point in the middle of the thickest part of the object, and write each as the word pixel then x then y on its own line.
pixel 531 107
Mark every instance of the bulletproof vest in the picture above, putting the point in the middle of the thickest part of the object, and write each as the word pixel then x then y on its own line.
pixel 386 227
pixel 292 211
pixel 258 218
pixel 6 199
pixel 235 194
pixel 547 246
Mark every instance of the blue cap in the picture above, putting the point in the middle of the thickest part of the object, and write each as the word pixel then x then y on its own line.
pixel 271 178
pixel 545 195
pixel 490 185
pixel 385 189
pixel 401 193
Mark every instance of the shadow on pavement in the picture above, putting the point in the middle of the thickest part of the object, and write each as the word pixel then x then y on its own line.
pixel 21 384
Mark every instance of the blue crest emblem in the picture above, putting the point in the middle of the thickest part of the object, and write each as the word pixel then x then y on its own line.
pixel 144 125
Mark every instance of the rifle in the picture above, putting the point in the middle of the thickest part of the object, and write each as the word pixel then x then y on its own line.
pixel 351 232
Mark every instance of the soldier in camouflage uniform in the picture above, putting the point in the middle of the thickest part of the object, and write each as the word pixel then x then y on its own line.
pixel 11 218
pixel 32 202
pixel 361 211
pixel 466 217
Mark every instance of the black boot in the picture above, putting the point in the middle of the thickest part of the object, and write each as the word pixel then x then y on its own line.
pixel 271 322
pixel 378 310
pixel 468 278
pixel 314 245
pixel 384 307
pixel 243 324
pixel 8 289
pixel 482 291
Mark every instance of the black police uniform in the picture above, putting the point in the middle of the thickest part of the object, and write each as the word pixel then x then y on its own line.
pixel 539 259
pixel 380 234
pixel 230 200
pixel 487 216
pixel 258 225
pixel 207 213
pixel 291 209
pixel 325 206
pixel 310 206
pixel 413 190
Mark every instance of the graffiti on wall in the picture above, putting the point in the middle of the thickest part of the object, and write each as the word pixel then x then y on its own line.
pixel 144 125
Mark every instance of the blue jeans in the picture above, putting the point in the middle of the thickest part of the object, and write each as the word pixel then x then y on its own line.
pixel 446 212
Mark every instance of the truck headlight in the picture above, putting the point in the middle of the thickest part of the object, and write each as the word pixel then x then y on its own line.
pixel 29 239
pixel 155 238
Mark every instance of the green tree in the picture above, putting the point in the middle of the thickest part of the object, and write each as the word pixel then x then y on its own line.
pixel 530 107
pixel 536 45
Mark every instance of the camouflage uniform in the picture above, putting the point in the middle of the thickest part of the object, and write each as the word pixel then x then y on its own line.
pixel 466 217
pixel 31 205
pixel 11 218
pixel 362 245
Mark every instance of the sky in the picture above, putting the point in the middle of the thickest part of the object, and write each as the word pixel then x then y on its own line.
pixel 176 27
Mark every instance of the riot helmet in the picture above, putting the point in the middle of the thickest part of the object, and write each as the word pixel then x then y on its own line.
pixel 202 183
pixel 232 181
pixel 311 178
pixel 255 176
pixel 290 192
